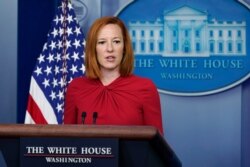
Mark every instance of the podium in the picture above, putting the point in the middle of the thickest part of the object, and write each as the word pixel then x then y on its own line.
pixel 138 146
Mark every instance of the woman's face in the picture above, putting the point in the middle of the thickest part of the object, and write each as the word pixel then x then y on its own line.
pixel 109 47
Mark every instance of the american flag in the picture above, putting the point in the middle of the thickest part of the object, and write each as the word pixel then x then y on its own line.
pixel 59 62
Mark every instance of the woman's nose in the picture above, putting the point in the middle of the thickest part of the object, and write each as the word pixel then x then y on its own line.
pixel 109 47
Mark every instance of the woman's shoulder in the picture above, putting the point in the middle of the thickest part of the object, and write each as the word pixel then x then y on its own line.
pixel 77 80
pixel 82 80
pixel 141 79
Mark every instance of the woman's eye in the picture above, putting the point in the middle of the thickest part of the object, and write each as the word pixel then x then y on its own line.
pixel 117 41
pixel 100 42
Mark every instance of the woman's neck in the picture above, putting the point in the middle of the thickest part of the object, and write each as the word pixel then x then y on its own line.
pixel 108 77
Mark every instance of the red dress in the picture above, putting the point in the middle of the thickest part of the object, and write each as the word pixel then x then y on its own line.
pixel 128 100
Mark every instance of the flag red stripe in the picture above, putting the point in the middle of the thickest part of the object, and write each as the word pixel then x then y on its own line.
pixel 35 112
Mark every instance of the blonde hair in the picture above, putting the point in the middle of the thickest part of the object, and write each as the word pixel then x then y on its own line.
pixel 91 63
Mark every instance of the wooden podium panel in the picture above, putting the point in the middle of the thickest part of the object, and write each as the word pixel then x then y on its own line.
pixel 138 145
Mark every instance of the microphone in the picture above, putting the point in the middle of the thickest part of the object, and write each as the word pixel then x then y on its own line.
pixel 84 114
pixel 95 115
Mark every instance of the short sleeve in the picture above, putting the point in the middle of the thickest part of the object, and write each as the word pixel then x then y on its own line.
pixel 151 106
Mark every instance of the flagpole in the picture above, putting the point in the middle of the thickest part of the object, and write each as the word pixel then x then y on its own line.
pixel 64 42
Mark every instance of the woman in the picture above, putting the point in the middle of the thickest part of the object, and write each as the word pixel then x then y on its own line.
pixel 109 93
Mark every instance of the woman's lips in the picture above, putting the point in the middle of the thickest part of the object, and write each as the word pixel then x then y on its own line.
pixel 110 58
